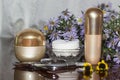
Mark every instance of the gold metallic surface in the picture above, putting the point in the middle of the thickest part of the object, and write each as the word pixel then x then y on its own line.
pixel 94 76
pixel 29 45
pixel 30 37
pixel 93 21
pixel 27 75
pixel 92 48
pixel 93 35
pixel 29 54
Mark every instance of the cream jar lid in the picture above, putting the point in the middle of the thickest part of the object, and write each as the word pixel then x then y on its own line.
pixel 30 37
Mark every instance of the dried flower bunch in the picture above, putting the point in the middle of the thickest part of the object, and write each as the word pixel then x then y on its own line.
pixel 64 27
pixel 111 33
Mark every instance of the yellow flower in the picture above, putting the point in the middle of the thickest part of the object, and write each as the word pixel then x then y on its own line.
pixel 46 28
pixel 87 74
pixel 88 66
pixel 79 20
pixel 52 23
pixel 104 12
pixel 102 65
pixel 87 70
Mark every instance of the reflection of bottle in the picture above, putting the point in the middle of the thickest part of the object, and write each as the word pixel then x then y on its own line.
pixel 102 74
pixel 97 75
pixel 88 75
pixel 93 35
pixel 94 76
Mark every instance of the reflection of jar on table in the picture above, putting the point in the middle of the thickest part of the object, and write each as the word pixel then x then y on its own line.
pixel 27 75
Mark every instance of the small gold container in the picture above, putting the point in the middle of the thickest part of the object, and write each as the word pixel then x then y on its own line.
pixel 29 45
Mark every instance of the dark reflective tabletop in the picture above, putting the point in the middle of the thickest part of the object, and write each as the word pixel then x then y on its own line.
pixel 8 71
pixel 28 72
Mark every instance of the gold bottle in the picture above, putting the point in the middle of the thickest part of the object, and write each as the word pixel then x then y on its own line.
pixel 93 35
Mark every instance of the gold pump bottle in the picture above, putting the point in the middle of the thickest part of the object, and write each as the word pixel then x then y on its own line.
pixel 93 35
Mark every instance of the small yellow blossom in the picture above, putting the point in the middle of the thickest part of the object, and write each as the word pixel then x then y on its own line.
pixel 52 23
pixel 46 28
pixel 88 66
pixel 79 20
pixel 102 65
pixel 87 75
pixel 104 12
pixel 87 70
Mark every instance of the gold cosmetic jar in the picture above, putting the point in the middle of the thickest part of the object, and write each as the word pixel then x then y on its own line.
pixel 29 45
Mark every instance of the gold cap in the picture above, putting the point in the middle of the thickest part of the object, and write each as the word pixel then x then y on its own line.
pixel 93 21
pixel 30 37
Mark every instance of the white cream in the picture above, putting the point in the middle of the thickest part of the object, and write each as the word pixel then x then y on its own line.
pixel 65 47
pixel 65 44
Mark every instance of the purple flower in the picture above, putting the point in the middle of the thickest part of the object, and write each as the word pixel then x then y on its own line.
pixel 73 29
pixel 106 18
pixel 107 33
pixel 54 36
pixel 112 43
pixel 82 32
pixel 108 14
pixel 53 23
pixel 108 5
pixel 66 15
pixel 109 44
pixel 69 35
pixel 72 34
pixel 118 45
pixel 80 20
pixel 108 57
pixel 113 15
pixel 117 60
pixel 116 39
pixel 104 6
pixel 63 27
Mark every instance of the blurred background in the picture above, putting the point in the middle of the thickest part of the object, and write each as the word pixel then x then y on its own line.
pixel 16 15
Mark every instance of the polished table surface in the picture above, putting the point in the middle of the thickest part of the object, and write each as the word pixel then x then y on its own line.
pixel 7 61
pixel 30 73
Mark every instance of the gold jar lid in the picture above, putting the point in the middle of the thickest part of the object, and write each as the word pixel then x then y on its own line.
pixel 30 37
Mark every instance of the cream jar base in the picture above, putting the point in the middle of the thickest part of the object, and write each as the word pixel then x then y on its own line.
pixel 66 52
pixel 29 54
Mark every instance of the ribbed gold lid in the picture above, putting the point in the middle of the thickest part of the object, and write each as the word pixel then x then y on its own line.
pixel 93 21
pixel 30 37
